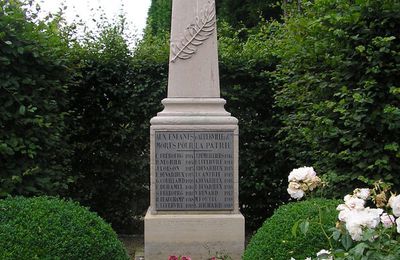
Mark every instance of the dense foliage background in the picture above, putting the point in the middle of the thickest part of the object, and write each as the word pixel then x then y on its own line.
pixel 316 86
pixel 338 94
pixel 237 13
pixel 34 73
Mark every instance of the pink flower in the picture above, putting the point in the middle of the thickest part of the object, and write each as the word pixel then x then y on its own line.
pixel 186 258
pixel 387 220
pixel 173 257
pixel 213 258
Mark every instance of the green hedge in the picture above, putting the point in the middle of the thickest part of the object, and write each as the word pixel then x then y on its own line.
pixel 34 150
pixel 320 89
pixel 112 101
pixel 243 85
pixel 49 228
pixel 275 239
pixel 338 92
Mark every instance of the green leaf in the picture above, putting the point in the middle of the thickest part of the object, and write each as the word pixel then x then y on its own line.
pixel 360 48
pixel 392 147
pixel 16 179
pixel 369 234
pixel 304 227
pixel 5 149
pixel 359 249
pixel 339 252
pixel 336 235
pixel 295 227
pixel 347 242
pixel 22 110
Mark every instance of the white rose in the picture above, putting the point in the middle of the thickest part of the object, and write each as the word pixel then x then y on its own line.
pixel 310 172
pixel 398 225
pixel 355 230
pixel 394 203
pixel 296 175
pixel 344 212
pixel 302 174
pixel 354 202
pixel 356 220
pixel 344 215
pixel 341 207
pixel 294 185
pixel 371 217
pixel 295 193
pixel 313 183
pixel 324 254
pixel 362 193
pixel 387 220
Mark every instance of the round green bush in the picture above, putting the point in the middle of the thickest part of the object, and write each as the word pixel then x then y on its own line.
pixel 51 228
pixel 275 239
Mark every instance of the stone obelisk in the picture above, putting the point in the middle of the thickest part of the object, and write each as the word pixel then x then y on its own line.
pixel 194 207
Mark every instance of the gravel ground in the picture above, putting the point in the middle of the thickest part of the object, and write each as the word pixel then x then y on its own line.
pixel 134 245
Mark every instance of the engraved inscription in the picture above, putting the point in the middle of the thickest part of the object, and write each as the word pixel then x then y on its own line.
pixel 194 170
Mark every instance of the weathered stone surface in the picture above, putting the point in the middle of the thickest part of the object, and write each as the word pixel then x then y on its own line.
pixel 194 170
pixel 199 236
pixel 230 132
pixel 198 75
pixel 194 148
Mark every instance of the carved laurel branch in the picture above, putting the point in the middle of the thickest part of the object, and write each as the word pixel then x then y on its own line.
pixel 195 34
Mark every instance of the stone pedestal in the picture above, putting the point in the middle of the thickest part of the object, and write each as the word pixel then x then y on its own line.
pixel 200 236
pixel 194 147
pixel 198 233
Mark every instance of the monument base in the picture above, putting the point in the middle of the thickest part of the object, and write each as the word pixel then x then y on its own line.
pixel 199 236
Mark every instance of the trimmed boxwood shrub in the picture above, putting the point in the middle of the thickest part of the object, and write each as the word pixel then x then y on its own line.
pixel 275 239
pixel 50 228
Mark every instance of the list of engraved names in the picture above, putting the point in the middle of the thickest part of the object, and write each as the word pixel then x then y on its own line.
pixel 194 170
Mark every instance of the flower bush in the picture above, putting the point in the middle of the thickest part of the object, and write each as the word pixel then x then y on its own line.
pixel 357 217
pixel 368 224
pixel 368 232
